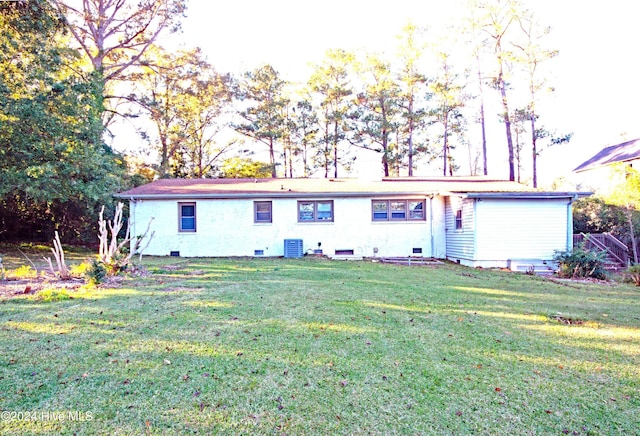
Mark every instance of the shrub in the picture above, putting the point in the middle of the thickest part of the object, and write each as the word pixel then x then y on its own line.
pixel 49 295
pixel 114 254
pixel 23 272
pixel 633 275
pixel 581 263
pixel 80 269
pixel 95 273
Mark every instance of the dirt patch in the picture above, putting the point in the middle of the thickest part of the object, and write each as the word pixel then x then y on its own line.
pixel 569 321
pixel 14 288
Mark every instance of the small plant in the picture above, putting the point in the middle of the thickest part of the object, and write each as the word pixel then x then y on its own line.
pixel 49 295
pixel 633 275
pixel 114 253
pixel 23 272
pixel 581 263
pixel 62 270
pixel 95 272
pixel 80 269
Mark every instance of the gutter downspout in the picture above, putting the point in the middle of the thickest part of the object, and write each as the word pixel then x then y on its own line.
pixel 433 255
pixel 132 223
pixel 570 224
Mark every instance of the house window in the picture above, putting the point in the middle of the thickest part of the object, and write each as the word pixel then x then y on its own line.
pixel 315 211
pixel 459 219
pixel 380 210
pixel 262 211
pixel 397 210
pixel 187 217
pixel 416 210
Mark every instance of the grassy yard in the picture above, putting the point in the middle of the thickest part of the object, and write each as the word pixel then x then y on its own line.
pixel 318 347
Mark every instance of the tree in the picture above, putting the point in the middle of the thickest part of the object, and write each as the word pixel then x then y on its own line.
pixel 160 86
pixel 478 42
pixel 304 131
pixel 497 21
pixel 262 93
pixel 206 101
pixel 54 168
pixel 519 119
pixel 532 55
pixel 375 122
pixel 330 81
pixel 412 82
pixel 626 195
pixel 243 168
pixel 115 34
pixel 448 100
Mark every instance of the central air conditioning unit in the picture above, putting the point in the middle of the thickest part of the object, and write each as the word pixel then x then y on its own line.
pixel 293 248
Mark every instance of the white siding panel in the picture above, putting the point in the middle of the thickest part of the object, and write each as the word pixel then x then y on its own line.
pixel 520 228
pixel 227 228
pixel 460 242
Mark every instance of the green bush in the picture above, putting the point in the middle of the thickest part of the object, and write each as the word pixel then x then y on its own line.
pixel 95 273
pixel 23 272
pixel 49 295
pixel 581 263
pixel 633 275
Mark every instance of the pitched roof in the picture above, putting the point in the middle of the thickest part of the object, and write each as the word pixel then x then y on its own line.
pixel 624 152
pixel 313 187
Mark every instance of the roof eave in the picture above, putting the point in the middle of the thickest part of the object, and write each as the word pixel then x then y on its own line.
pixel 253 195
pixel 525 195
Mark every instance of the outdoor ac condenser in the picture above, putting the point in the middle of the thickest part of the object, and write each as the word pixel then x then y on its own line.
pixel 293 248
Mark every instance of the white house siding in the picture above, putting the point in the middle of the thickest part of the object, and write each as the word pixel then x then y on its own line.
pixel 512 229
pixel 225 227
pixel 460 243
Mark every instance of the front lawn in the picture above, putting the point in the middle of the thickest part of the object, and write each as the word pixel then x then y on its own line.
pixel 319 347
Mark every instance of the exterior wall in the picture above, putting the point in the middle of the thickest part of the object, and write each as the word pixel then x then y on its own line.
pixel 460 243
pixel 225 227
pixel 521 229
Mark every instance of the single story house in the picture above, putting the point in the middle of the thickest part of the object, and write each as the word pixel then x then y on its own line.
pixel 475 221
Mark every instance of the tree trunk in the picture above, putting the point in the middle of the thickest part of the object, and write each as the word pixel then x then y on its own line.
pixel 327 146
pixel 385 140
pixel 507 125
pixel 385 155
pixel 534 150
pixel 410 141
pixel 335 149
pixel 482 124
pixel 272 159
pixel 445 147
pixel 634 244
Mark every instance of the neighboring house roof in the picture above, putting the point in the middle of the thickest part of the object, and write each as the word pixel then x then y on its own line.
pixel 315 187
pixel 624 152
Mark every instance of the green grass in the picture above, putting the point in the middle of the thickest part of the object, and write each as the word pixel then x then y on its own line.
pixel 318 347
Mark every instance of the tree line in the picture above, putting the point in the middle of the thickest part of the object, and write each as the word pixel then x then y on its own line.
pixel 422 106
pixel 70 70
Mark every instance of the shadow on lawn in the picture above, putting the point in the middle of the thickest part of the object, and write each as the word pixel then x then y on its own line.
pixel 233 336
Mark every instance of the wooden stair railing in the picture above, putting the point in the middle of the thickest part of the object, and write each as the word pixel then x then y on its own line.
pixel 615 249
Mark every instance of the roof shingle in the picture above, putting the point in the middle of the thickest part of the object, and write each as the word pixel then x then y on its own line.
pixel 203 188
pixel 624 152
